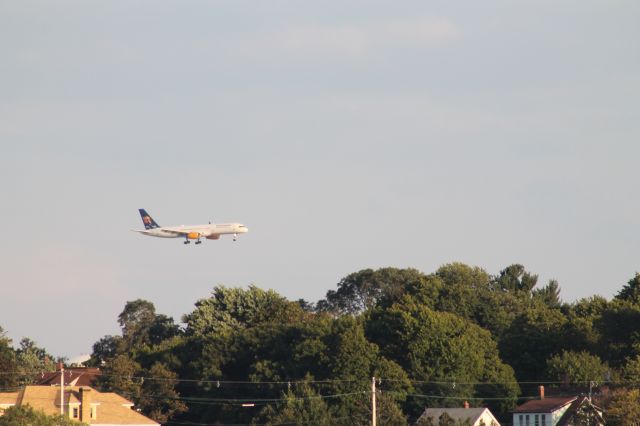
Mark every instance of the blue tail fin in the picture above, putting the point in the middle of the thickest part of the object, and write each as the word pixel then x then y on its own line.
pixel 147 220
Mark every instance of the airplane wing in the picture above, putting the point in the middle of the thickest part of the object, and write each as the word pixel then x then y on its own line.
pixel 187 230
pixel 179 231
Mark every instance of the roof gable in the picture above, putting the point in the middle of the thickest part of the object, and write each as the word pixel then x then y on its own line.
pixel 76 376
pixel 113 409
pixel 457 414
pixel 546 405
pixel 581 403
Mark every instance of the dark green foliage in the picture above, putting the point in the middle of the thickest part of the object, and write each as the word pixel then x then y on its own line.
pixel 300 405
pixel 624 408
pixel 8 363
pixel 576 368
pixel 389 413
pixel 430 340
pixel 31 358
pixel 230 309
pixel 441 348
pixel 162 328
pixel 367 288
pixel 534 336
pixel 630 372
pixel 106 348
pixel 141 326
pixel 136 320
pixel 619 328
pixel 548 295
pixel 581 329
pixel 122 375
pixel 515 279
pixel 631 291
pixel 158 397
pixel 462 289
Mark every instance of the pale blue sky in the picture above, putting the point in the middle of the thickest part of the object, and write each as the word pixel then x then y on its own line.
pixel 344 134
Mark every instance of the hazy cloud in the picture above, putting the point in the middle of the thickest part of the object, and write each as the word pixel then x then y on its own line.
pixel 358 40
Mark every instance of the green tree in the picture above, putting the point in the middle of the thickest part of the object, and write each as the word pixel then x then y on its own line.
pixel 471 293
pixel 142 329
pixel 364 289
pixel 351 360
pixel 158 397
pixel 631 371
pixel 163 328
pixel 388 411
pixel 461 289
pixel 549 294
pixel 8 362
pixel 576 367
pixel 230 309
pixel 249 335
pixel 32 359
pixel 619 325
pixel 624 408
pixel 532 337
pixel 122 376
pixel 631 291
pixel 441 349
pixel 136 318
pixel 300 405
pixel 580 332
pixel 516 279
pixel 106 348
pixel 619 328
pixel 26 415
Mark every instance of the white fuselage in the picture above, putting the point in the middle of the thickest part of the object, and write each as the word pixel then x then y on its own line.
pixel 210 231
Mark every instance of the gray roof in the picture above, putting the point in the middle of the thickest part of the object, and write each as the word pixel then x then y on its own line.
pixel 473 414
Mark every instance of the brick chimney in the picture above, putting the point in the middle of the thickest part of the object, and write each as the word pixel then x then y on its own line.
pixel 59 366
pixel 466 404
pixel 85 404
pixel 541 390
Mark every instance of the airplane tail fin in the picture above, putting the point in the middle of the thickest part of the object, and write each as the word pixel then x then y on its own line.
pixel 147 220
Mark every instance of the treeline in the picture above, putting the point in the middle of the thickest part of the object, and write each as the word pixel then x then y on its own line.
pixel 17 366
pixel 250 356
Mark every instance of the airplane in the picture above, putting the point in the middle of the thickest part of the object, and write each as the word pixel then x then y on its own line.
pixel 195 232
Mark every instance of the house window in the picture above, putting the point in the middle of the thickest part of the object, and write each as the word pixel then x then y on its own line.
pixel 520 420
pixel 544 419
pixel 526 420
pixel 536 420
pixel 75 413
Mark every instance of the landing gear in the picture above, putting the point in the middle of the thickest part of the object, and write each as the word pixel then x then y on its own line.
pixel 192 236
pixel 235 237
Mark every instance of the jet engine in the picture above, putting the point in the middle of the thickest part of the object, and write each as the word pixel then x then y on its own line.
pixel 193 235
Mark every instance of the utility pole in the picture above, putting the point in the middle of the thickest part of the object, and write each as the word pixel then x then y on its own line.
pixel 61 389
pixel 373 401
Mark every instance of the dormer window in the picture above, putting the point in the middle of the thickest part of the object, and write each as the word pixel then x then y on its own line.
pixel 75 413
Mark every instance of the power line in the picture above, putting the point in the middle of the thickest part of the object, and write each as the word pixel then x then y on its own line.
pixel 298 422
pixel 225 401
pixel 221 382
pixel 200 381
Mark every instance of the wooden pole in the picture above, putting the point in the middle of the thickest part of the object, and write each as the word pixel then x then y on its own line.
pixel 373 401
pixel 61 389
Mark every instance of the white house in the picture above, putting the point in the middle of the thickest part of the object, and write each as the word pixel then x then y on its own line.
pixel 555 411
pixel 476 416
